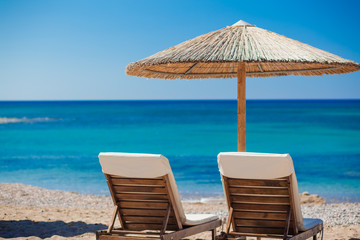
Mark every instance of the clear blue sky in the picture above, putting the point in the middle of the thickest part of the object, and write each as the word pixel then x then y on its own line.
pixel 78 49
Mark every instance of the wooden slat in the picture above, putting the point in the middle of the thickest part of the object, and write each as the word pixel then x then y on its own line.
pixel 257 235
pixel 143 205
pixel 259 199
pixel 260 191
pixel 133 196
pixel 145 212
pixel 265 183
pixel 260 207
pixel 115 237
pixel 259 223
pixel 148 219
pixel 141 227
pixel 117 234
pixel 260 215
pixel 135 181
pixel 192 230
pixel 260 230
pixel 139 189
pixel 119 231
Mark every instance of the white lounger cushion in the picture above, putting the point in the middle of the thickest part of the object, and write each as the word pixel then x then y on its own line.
pixel 262 166
pixel 134 165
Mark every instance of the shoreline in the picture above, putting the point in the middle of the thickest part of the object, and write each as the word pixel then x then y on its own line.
pixel 11 193
pixel 30 212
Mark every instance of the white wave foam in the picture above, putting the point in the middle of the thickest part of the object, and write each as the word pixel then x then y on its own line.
pixel 47 157
pixel 5 120
pixel 352 174
pixel 199 199
pixel 213 200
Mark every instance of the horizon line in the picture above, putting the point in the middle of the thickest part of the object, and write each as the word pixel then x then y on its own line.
pixel 113 100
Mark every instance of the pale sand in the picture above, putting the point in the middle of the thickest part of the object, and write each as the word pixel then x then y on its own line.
pixel 28 212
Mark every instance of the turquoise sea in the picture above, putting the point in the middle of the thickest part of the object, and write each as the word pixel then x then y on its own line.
pixel 55 144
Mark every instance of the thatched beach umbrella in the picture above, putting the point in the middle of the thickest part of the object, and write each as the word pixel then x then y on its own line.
pixel 238 51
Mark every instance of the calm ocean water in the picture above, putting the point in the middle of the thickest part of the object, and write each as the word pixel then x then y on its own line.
pixel 55 144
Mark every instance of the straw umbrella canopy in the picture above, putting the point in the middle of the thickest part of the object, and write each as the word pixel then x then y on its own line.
pixel 241 50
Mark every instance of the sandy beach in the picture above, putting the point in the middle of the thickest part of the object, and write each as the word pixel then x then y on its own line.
pixel 29 212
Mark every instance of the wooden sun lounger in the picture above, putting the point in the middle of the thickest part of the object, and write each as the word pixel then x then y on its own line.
pixel 147 209
pixel 264 208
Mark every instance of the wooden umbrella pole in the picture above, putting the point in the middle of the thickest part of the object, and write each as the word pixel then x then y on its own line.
pixel 241 111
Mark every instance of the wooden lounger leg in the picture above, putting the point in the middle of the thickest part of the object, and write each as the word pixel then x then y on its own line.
pixel 312 232
pixel 224 235
pixel 287 224
pixel 111 226
pixel 228 224
pixel 213 234
pixel 166 220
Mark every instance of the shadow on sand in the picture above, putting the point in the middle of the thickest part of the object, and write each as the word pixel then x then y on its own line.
pixel 27 228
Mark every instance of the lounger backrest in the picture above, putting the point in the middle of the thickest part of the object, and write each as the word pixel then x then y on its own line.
pixel 261 188
pixel 141 185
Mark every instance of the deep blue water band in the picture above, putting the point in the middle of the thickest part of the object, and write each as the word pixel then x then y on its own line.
pixel 54 144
